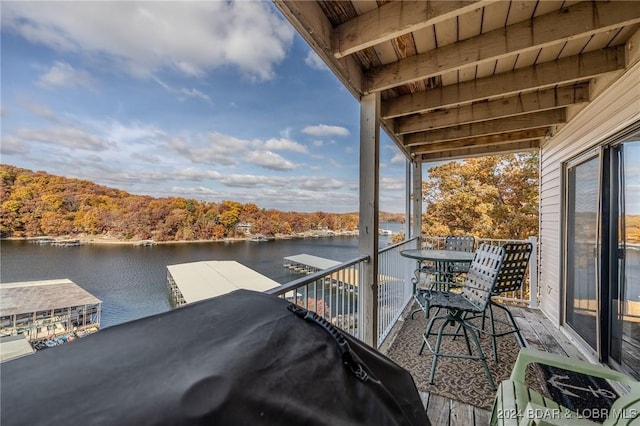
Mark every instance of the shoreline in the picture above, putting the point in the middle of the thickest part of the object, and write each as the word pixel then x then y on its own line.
pixel 102 240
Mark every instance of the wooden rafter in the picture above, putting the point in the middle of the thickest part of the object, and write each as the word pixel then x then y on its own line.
pixel 561 72
pixel 393 20
pixel 481 141
pixel 506 107
pixel 489 127
pixel 498 148
pixel 580 20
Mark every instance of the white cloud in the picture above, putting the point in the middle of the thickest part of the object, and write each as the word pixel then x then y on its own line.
pixel 62 74
pixel 314 61
pixel 321 183
pixel 398 158
pixel 69 137
pixel 46 113
pixel 142 38
pixel 269 160
pixel 325 130
pixel 152 159
pixel 12 146
pixel 252 181
pixel 183 93
pixel 220 149
pixel 391 184
pixel 286 133
pixel 284 144
pixel 125 134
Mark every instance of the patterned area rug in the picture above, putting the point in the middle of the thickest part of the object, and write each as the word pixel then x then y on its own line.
pixel 459 379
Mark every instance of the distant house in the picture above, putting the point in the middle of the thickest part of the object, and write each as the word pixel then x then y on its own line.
pixel 244 227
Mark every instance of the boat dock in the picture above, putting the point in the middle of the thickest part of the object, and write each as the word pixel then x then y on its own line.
pixel 44 309
pixel 308 264
pixel 190 282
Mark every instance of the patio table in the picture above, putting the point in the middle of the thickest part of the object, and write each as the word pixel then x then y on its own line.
pixel 441 259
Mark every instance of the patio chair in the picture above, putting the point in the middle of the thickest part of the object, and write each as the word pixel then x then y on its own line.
pixel 464 243
pixel 511 278
pixel 517 404
pixel 471 300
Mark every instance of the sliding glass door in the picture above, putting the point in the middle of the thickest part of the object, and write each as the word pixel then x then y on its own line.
pixel 602 251
pixel 625 278
pixel 581 307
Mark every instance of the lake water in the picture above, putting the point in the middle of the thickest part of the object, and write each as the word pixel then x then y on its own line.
pixel 131 280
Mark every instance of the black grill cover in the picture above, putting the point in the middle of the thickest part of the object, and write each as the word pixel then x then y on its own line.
pixel 239 359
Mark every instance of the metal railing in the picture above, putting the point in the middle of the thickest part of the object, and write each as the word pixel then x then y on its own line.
pixel 331 293
pixel 395 289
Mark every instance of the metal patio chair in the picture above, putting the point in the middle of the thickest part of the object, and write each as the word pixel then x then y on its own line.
pixel 511 278
pixel 464 243
pixel 472 300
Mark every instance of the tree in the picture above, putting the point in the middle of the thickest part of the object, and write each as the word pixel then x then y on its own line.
pixel 488 197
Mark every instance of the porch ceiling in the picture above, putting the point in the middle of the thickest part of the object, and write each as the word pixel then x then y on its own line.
pixel 467 78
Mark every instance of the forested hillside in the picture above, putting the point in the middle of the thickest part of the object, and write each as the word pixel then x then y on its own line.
pixel 37 203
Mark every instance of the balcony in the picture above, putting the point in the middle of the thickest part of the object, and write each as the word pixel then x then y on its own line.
pixel 399 332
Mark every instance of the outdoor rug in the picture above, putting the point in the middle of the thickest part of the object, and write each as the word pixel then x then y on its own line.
pixel 459 379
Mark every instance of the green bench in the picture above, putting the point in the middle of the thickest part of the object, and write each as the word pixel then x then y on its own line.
pixel 517 404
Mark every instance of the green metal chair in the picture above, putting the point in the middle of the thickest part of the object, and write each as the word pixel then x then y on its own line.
pixel 517 404
pixel 511 278
pixel 471 300
pixel 464 243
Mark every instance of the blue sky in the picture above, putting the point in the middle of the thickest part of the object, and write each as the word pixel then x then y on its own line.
pixel 207 100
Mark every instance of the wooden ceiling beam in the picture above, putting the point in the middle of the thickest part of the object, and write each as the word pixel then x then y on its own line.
pixel 393 20
pixel 483 150
pixel 489 127
pixel 518 136
pixel 524 103
pixel 580 20
pixel 561 72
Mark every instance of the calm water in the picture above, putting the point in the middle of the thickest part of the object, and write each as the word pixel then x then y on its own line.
pixel 132 281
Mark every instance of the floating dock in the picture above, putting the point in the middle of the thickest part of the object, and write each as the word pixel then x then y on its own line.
pixel 308 264
pixel 190 282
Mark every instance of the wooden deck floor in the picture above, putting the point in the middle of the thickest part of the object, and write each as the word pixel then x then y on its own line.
pixel 539 333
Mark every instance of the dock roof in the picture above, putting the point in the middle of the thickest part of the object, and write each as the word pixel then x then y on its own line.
pixel 33 296
pixel 202 280
pixel 313 261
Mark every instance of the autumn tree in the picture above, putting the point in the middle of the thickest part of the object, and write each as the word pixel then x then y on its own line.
pixel 36 203
pixel 488 197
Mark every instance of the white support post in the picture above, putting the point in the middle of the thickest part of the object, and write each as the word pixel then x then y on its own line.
pixel 369 212
pixel 417 200
pixel 408 234
pixel 533 274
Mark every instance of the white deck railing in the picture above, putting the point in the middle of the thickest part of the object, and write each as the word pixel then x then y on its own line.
pixel 333 293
